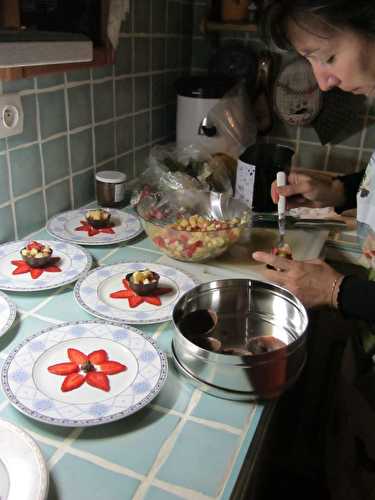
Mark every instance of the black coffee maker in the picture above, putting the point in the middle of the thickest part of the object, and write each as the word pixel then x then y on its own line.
pixel 267 159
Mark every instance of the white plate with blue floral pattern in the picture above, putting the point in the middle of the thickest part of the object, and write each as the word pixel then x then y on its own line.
pixel 84 373
pixel 102 292
pixel 8 312
pixel 72 261
pixel 72 226
pixel 23 471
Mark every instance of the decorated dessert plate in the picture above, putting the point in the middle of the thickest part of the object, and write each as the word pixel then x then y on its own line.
pixel 7 315
pixel 72 226
pixel 23 471
pixel 105 293
pixel 69 262
pixel 84 373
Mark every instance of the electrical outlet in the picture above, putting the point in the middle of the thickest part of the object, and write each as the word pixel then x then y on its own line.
pixel 11 115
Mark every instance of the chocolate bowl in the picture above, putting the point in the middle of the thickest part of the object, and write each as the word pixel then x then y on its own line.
pixel 99 223
pixel 37 261
pixel 256 347
pixel 143 289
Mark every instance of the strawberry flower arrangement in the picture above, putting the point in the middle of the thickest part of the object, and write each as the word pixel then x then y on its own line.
pixel 93 369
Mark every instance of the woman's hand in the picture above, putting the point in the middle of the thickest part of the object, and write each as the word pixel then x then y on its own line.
pixel 311 281
pixel 310 191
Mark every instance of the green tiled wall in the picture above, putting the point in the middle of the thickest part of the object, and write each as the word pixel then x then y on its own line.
pixel 349 155
pixel 86 120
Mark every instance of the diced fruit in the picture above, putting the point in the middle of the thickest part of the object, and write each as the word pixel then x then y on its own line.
pixel 97 215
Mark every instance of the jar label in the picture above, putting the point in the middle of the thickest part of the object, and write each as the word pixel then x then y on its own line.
pixel 119 194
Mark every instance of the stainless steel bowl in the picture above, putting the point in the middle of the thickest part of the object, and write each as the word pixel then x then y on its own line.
pixel 221 358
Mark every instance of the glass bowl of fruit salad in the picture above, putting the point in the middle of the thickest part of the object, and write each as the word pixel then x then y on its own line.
pixel 193 226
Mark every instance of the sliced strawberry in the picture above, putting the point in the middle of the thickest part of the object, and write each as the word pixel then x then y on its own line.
pixel 77 356
pixel 35 244
pixel 64 368
pixel 52 269
pixel 135 300
pixel 159 241
pixel 36 272
pixel 72 381
pixel 108 230
pixel 92 231
pixel 98 380
pixel 98 357
pixel 22 267
pixel 112 367
pixel 155 301
pixel 122 294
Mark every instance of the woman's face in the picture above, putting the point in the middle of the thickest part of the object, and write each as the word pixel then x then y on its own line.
pixel 338 58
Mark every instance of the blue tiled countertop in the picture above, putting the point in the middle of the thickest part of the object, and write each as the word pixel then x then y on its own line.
pixel 185 444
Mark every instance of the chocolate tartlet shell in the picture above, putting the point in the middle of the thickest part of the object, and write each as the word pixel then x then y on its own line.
pixel 37 261
pixel 143 289
pixel 99 223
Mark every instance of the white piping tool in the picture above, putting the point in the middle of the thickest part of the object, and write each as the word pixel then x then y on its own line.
pixel 281 206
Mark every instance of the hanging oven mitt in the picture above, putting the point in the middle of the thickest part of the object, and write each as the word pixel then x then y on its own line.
pixel 297 98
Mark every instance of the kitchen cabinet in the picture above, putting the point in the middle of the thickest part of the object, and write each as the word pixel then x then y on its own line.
pixel 10 18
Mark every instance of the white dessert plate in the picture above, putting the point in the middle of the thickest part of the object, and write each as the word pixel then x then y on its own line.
pixel 7 315
pixel 94 293
pixel 23 471
pixel 74 261
pixel 72 226
pixel 96 391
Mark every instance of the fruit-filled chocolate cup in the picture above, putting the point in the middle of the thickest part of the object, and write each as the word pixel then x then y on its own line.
pixel 143 282
pixel 98 218
pixel 36 254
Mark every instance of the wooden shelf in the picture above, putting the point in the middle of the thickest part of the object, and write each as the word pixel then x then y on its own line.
pixel 103 54
pixel 217 26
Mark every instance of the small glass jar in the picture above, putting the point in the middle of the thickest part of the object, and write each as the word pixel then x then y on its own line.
pixel 110 188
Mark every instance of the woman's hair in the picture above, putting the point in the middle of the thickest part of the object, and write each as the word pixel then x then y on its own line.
pixel 357 16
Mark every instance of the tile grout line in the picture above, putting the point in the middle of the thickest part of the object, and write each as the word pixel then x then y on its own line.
pixel 61 450
pixel 180 491
pixel 41 155
pixel 244 433
pixel 207 423
pixel 67 114
pixel 105 464
pixel 167 447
